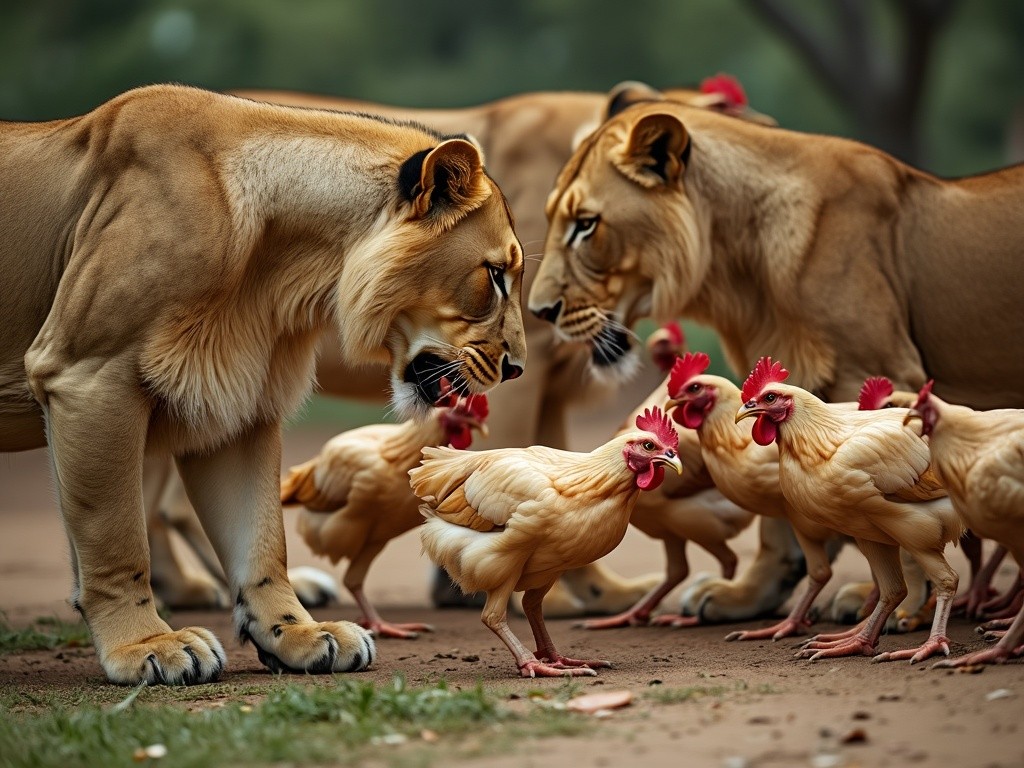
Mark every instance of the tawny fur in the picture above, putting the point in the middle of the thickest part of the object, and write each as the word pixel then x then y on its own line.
pixel 194 247
pixel 526 138
pixel 754 236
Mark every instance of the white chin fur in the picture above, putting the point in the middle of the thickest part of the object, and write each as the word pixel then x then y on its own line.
pixel 623 370
pixel 405 402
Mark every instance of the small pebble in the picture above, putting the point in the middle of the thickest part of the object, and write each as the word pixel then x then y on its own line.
pixel 856 736
pixel 998 693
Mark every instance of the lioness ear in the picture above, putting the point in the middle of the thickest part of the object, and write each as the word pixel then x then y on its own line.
pixel 656 151
pixel 628 93
pixel 446 182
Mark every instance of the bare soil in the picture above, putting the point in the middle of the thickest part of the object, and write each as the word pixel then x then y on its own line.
pixel 753 703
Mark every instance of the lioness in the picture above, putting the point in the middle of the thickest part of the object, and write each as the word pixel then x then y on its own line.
pixel 822 252
pixel 526 139
pixel 170 261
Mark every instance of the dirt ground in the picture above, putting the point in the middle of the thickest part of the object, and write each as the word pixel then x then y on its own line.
pixel 761 707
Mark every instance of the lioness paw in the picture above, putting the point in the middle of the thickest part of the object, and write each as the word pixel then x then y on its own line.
pixel 187 657
pixel 716 600
pixel 315 647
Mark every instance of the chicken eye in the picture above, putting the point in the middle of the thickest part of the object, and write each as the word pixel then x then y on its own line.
pixel 770 397
pixel 498 278
pixel 648 445
pixel 583 228
pixel 695 387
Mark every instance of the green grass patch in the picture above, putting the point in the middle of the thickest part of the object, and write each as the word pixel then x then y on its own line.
pixel 338 724
pixel 42 634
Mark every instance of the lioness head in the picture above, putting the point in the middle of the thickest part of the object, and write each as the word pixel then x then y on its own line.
pixel 439 288
pixel 623 240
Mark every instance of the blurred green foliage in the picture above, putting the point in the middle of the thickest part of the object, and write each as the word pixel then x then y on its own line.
pixel 61 57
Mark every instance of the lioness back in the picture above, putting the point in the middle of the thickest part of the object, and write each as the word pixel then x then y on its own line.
pixel 188 198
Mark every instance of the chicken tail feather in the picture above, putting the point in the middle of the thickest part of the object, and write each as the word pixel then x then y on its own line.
pixel 299 487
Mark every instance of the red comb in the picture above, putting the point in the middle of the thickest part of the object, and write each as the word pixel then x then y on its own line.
pixel 675 332
pixel 686 367
pixel 655 421
pixel 924 394
pixel 874 391
pixel 765 372
pixel 727 86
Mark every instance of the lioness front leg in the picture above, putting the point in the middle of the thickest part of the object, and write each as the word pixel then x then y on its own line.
pixel 96 429
pixel 235 490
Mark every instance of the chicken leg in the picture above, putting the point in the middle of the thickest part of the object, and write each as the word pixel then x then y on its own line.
pixel 546 653
pixel 863 639
pixel 676 570
pixel 371 620
pixel 819 571
pixel 944 581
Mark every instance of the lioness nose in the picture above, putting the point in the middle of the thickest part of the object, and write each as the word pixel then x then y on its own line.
pixel 509 371
pixel 548 313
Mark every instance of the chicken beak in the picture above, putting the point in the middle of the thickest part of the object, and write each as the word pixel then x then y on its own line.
pixel 911 415
pixel 747 410
pixel 672 403
pixel 671 461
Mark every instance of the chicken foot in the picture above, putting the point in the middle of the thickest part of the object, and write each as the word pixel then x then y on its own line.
pixel 546 653
pixel 1010 645
pixel 944 579
pixel 819 571
pixel 495 618
pixel 371 620
pixel 862 640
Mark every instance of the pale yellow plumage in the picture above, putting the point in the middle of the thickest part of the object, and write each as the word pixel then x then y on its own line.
pixel 515 519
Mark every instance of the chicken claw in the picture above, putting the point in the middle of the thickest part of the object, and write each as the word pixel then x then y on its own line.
pixel 558 661
pixel 537 668
pixel 1000 654
pixel 400 631
pixel 788 627
pixel 931 646
pixel 627 619
pixel 676 621
pixel 857 645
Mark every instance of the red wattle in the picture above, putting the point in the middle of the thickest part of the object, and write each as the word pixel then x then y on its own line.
pixel 690 415
pixel 765 430
pixel 651 477
pixel 461 439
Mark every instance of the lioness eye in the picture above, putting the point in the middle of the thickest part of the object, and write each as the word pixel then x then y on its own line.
pixel 583 228
pixel 498 278
pixel 648 445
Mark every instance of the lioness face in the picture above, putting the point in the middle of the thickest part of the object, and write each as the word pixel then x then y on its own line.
pixel 463 327
pixel 456 316
pixel 620 224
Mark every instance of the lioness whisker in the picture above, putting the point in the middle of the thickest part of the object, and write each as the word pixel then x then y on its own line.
pixel 444 344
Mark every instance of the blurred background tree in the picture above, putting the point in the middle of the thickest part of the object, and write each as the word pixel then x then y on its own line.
pixel 933 81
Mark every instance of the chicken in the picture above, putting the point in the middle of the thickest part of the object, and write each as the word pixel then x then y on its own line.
pixel 685 507
pixel 357 497
pixel 864 474
pixel 877 393
pixel 746 472
pixel 979 455
pixel 514 519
